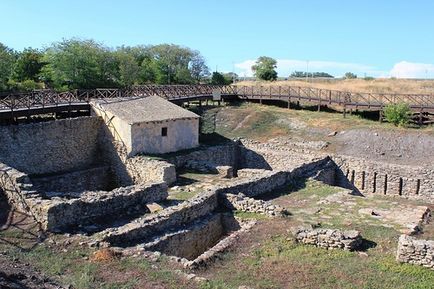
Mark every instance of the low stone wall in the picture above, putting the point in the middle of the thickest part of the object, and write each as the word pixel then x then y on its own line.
pixel 192 241
pixel 148 226
pixel 61 214
pixel 414 251
pixel 256 185
pixel 143 170
pixel 213 253
pixel 93 179
pixel 245 204
pixel 388 179
pixel 192 209
pixel 221 155
pixel 328 238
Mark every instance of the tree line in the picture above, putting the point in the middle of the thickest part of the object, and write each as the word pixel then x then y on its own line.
pixel 265 69
pixel 76 63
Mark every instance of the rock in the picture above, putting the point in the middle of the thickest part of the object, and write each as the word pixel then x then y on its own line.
pixel 154 207
pixel 333 133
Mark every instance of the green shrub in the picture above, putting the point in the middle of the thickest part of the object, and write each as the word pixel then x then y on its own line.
pixel 398 114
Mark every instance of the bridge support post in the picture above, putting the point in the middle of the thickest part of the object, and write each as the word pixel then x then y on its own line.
pixel 420 118
pixel 380 118
pixel 345 112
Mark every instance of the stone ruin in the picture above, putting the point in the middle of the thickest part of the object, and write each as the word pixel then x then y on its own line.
pixel 328 238
pixel 72 175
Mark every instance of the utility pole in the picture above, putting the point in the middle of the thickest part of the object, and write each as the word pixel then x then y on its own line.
pixel 307 71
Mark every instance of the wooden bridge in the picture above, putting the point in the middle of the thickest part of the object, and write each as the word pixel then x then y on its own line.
pixel 16 105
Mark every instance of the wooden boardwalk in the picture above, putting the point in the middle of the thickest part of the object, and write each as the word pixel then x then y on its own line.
pixel 14 105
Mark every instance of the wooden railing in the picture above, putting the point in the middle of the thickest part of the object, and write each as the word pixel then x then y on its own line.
pixel 335 97
pixel 374 101
pixel 45 98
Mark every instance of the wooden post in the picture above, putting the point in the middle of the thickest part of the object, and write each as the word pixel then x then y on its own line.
pixel 420 118
pixel 381 115
pixel 289 102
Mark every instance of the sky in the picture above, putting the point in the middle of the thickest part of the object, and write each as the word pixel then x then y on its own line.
pixel 382 38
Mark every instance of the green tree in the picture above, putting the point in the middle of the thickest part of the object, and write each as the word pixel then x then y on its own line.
pixel 129 68
pixel 264 68
pixel 28 65
pixel 7 60
pixel 198 68
pixel 398 114
pixel 350 75
pixel 217 78
pixel 80 64
pixel 170 59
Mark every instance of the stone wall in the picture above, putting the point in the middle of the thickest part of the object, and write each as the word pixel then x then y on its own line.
pixel 221 155
pixel 64 210
pixel 328 238
pixel 51 147
pixel 94 179
pixel 192 241
pixel 352 172
pixel 203 204
pixel 143 170
pixel 256 185
pixel 63 214
pixel 175 216
pixel 383 178
pixel 414 251
pixel 245 204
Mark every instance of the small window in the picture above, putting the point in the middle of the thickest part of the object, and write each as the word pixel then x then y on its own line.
pixel 164 131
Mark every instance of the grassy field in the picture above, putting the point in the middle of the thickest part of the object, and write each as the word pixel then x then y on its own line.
pixel 268 257
pixel 404 86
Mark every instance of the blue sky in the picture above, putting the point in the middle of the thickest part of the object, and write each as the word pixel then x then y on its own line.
pixel 379 38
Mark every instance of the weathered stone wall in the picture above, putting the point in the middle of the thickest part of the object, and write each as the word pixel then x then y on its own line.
pixel 51 147
pixel 171 217
pixel 414 251
pixel 256 185
pixel 328 238
pixel 205 203
pixel 221 155
pixel 143 170
pixel 245 204
pixel 94 179
pixel 352 172
pixel 257 155
pixel 192 241
pixel 383 178
pixel 61 213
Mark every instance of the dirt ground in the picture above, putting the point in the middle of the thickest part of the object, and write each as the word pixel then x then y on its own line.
pixel 352 136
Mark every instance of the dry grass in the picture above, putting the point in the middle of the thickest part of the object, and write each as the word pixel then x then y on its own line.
pixel 404 86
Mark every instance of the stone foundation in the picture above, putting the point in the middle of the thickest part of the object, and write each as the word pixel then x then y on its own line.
pixel 328 238
pixel 414 251
pixel 245 204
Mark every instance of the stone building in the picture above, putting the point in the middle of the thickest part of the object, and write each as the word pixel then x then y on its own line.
pixel 150 125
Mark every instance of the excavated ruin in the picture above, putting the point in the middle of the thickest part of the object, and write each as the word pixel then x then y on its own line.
pixel 71 175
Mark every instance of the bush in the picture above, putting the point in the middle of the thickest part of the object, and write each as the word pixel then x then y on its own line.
pixel 398 114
